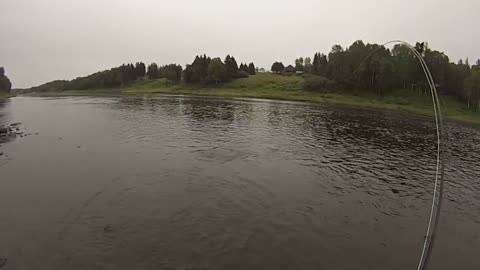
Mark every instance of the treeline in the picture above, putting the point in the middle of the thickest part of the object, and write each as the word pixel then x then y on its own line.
pixel 351 69
pixel 206 70
pixel 113 78
pixel 5 84
pixel 203 69
pixel 356 69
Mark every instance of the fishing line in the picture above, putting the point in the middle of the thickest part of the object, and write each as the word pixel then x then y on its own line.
pixel 438 189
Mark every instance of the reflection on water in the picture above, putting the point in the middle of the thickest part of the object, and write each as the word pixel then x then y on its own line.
pixel 195 183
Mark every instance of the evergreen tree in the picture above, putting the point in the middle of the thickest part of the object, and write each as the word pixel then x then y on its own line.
pixel 251 69
pixel 231 66
pixel 139 70
pixel 299 64
pixel 172 72
pixel 308 65
pixel 188 74
pixel 153 72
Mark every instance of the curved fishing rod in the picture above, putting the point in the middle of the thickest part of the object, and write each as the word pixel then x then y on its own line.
pixel 438 189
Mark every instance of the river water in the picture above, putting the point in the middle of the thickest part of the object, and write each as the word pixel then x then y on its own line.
pixel 197 183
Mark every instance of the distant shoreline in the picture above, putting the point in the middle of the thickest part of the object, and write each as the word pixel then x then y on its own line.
pixel 287 88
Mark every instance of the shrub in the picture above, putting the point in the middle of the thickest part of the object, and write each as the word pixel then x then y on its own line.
pixel 317 83
pixel 241 74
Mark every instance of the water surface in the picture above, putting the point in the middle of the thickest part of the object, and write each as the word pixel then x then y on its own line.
pixel 195 183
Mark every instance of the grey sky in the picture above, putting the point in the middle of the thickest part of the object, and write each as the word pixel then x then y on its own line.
pixel 44 40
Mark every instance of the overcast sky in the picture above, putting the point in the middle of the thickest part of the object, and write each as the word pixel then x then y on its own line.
pixel 45 40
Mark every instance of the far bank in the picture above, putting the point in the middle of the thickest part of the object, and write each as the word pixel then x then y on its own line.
pixel 278 87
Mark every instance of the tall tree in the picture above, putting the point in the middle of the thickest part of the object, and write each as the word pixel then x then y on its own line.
pixel 405 63
pixel 337 66
pixel 153 72
pixel 319 65
pixel 251 69
pixel 200 68
pixel 5 84
pixel 172 72
pixel 277 67
pixel 231 66
pixel 472 90
pixel 299 64
pixel 244 67
pixel 139 69
pixel 188 74
pixel 308 65
pixel 217 72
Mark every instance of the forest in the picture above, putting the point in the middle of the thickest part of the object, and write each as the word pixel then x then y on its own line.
pixel 387 71
pixel 353 70
pixel 203 70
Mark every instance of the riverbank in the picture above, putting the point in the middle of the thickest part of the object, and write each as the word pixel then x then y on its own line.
pixel 272 86
pixel 4 94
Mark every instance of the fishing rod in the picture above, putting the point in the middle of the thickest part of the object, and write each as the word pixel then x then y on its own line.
pixel 438 190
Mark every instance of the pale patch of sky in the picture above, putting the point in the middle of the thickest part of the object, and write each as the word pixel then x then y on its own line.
pixel 45 40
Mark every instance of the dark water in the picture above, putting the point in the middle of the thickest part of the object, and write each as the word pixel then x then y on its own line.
pixel 192 183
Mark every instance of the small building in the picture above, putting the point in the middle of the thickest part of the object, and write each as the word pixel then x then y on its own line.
pixel 290 69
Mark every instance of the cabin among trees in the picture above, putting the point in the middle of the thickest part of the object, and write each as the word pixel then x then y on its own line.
pixel 279 68
pixel 289 69
pixel 359 68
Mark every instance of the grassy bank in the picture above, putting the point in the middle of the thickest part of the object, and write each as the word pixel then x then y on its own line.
pixel 272 86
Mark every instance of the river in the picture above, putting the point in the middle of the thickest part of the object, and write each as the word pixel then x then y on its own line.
pixel 211 183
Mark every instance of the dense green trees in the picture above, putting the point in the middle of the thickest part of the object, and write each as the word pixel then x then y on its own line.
pixel 252 69
pixel 115 77
pixel 153 72
pixel 307 67
pixel 319 64
pixel 231 66
pixel 277 67
pixel 201 70
pixel 197 72
pixel 244 67
pixel 205 70
pixel 5 84
pixel 172 72
pixel 54 86
pixel 299 66
pixel 373 68
pixel 217 71
pixel 140 69
pixel 471 91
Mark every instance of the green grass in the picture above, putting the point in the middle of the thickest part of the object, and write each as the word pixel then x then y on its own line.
pixel 273 86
